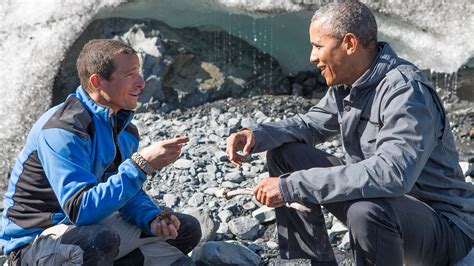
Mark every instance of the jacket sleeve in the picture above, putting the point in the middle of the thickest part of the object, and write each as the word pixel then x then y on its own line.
pixel 404 143
pixel 316 126
pixel 140 210
pixel 66 159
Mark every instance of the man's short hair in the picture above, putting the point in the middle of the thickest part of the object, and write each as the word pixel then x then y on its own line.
pixel 340 18
pixel 96 57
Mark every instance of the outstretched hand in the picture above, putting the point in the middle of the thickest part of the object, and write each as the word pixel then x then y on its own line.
pixel 239 141
pixel 165 152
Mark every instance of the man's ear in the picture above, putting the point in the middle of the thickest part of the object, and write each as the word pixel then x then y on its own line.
pixel 96 81
pixel 351 43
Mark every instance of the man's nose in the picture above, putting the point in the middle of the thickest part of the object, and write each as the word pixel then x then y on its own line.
pixel 140 83
pixel 313 58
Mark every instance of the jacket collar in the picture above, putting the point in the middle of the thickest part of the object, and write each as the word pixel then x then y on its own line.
pixel 103 113
pixel 385 60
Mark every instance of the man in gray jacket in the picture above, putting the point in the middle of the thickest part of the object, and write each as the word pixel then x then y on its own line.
pixel 400 189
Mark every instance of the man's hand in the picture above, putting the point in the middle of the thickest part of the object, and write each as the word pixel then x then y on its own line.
pixel 267 192
pixel 165 227
pixel 162 153
pixel 239 141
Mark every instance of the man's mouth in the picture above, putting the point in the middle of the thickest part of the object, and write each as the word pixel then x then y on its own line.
pixel 322 68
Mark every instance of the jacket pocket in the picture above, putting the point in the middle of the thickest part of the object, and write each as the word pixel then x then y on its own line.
pixel 367 131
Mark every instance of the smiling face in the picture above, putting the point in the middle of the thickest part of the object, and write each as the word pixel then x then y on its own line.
pixel 329 55
pixel 124 85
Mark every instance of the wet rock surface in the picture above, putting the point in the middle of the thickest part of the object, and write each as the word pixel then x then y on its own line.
pixel 182 67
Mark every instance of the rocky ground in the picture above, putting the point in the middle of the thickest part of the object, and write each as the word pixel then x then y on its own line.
pixel 190 184
pixel 236 229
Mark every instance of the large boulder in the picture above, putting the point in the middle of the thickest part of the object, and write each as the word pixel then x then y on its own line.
pixel 182 67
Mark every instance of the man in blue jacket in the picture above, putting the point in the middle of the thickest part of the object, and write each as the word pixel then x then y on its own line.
pixel 400 190
pixel 75 193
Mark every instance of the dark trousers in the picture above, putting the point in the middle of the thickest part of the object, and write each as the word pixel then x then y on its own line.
pixel 383 231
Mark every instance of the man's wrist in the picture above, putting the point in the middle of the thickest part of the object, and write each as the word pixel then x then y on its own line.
pixel 283 187
pixel 143 164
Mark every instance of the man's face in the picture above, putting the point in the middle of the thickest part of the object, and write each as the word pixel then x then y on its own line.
pixel 122 89
pixel 328 55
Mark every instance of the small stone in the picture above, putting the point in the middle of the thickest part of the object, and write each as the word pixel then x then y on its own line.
pixel 272 244
pixel 249 206
pixel 231 185
pixel 170 200
pixel 196 200
pixel 244 227
pixel 264 214
pixel 234 177
pixel 345 242
pixel 223 253
pixel 183 164
pixel 211 190
pixel 225 215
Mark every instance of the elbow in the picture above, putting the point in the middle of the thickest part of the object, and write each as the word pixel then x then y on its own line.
pixel 399 188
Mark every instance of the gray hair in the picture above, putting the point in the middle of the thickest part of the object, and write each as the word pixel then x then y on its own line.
pixel 340 18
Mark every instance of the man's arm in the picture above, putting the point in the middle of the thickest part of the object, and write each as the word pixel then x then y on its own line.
pixel 313 127
pixel 66 161
pixel 140 210
pixel 317 125
pixel 403 146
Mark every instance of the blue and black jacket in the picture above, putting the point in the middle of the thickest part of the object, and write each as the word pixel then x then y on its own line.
pixel 75 168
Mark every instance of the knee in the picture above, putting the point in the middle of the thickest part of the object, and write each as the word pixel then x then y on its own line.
pixel 98 243
pixel 190 229
pixel 276 159
pixel 365 216
pixel 194 230
pixel 107 238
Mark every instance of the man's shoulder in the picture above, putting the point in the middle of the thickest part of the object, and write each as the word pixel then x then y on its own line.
pixel 404 74
pixel 72 116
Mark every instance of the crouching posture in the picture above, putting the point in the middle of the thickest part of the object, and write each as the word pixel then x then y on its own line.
pixel 75 193
pixel 400 189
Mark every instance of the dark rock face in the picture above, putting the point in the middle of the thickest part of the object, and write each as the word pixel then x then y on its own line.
pixel 182 67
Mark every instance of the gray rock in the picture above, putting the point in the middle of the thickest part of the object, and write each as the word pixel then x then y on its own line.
pixel 345 242
pixel 247 122
pixel 244 227
pixel 183 164
pixel 220 156
pixel 234 177
pixel 272 244
pixel 249 206
pixel 211 190
pixel 208 226
pixel 225 215
pixel 264 214
pixel 223 229
pixel 196 200
pixel 170 200
pixel 223 253
pixel 223 132
pixel 215 112
pixel 336 229
pixel 231 185
pixel 233 123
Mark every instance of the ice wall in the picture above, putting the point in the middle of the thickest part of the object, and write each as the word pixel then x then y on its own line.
pixel 434 34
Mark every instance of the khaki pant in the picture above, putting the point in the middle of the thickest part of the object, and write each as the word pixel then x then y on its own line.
pixel 50 248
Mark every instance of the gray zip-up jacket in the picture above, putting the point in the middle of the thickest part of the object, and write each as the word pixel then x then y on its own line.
pixel 397 140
